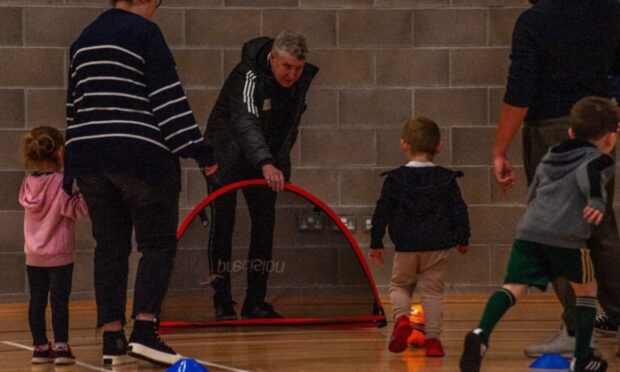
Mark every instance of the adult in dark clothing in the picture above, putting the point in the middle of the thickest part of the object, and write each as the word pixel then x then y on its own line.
pixel 128 122
pixel 253 128
pixel 562 50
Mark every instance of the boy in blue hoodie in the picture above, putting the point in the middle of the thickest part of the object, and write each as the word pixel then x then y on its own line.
pixel 422 207
pixel 566 198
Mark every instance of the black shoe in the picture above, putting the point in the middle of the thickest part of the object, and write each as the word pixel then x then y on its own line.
pixel 259 311
pixel 604 326
pixel 474 350
pixel 225 311
pixel 145 344
pixel 115 349
pixel 593 363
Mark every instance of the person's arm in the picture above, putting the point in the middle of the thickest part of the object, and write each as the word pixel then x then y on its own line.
pixel 275 179
pixel 169 104
pixel 69 112
pixel 459 217
pixel 591 179
pixel 246 128
pixel 384 208
pixel 69 179
pixel 520 90
pixel 510 119
pixel 615 67
pixel 74 206
pixel 245 118
pixel 376 256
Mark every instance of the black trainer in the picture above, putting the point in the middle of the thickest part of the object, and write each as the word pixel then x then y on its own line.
pixel 225 311
pixel 604 326
pixel 474 350
pixel 262 310
pixel 593 363
pixel 145 344
pixel 115 349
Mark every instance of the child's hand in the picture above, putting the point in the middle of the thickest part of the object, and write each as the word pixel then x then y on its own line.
pixel 376 256
pixel 592 215
pixel 462 249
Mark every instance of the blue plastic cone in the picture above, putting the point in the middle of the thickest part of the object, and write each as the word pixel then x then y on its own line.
pixel 550 361
pixel 187 365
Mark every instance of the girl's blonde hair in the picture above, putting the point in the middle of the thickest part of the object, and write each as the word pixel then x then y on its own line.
pixel 41 145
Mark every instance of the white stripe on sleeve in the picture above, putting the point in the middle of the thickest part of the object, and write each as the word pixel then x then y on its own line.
pixel 248 92
pixel 169 103
pixel 164 88
pixel 189 112
pixel 181 131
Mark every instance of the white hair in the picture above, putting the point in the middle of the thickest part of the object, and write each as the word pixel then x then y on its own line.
pixel 292 43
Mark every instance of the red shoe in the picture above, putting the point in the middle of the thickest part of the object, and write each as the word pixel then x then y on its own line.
pixel 400 334
pixel 434 348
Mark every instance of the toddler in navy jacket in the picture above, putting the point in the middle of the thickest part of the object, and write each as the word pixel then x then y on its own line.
pixel 422 208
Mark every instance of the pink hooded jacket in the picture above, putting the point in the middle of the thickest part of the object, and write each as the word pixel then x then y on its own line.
pixel 49 221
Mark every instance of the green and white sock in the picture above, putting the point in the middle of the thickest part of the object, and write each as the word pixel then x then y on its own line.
pixel 498 304
pixel 585 312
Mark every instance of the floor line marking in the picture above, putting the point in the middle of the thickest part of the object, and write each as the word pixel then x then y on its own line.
pixel 94 368
pixel 220 366
pixel 77 362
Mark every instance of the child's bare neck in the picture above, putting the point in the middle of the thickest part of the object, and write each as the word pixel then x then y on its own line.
pixel 421 157
pixel 48 167
pixel 602 145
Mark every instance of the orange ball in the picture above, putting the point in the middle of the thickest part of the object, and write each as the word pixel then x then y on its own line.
pixel 416 317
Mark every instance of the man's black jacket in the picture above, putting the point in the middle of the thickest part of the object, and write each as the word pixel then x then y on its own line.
pixel 255 121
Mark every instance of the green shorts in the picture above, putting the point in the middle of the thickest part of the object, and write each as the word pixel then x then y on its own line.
pixel 536 264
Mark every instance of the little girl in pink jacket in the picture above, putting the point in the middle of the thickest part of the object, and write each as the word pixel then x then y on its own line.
pixel 49 235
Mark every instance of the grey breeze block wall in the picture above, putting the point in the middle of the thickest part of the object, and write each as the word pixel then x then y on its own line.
pixel 382 61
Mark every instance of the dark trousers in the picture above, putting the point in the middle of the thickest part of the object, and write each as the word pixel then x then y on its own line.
pixel 261 206
pixel 55 282
pixel 117 204
pixel 604 243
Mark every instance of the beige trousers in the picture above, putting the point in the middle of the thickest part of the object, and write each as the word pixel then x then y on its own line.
pixel 426 270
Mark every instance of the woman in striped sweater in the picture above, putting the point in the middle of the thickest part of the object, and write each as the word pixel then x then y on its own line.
pixel 129 121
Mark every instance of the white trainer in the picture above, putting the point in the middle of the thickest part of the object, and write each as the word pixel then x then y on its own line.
pixel 560 343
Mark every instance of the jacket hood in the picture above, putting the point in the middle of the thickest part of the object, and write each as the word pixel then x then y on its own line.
pixel 562 159
pixel 423 179
pixel 252 50
pixel 35 192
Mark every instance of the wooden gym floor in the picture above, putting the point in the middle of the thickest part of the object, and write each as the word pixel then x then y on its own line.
pixel 305 348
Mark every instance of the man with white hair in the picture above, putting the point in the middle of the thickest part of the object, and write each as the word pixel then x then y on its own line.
pixel 253 128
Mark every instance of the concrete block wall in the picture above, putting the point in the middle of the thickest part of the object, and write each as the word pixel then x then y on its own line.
pixel 382 61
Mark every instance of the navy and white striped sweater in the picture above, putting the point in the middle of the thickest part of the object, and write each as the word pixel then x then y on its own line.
pixel 126 109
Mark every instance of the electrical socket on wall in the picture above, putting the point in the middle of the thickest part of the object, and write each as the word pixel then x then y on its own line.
pixel 310 222
pixel 367 226
pixel 348 221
